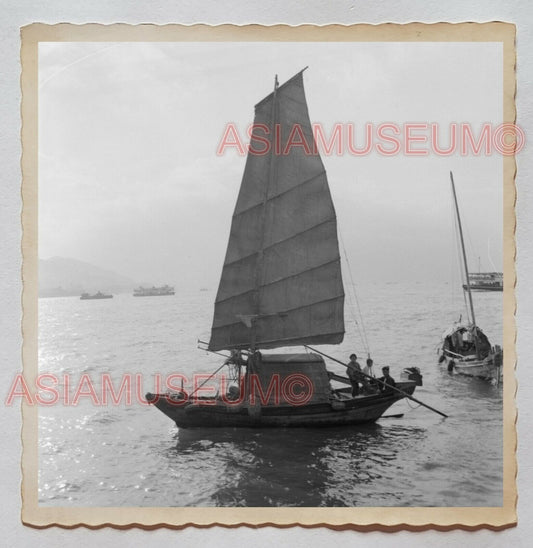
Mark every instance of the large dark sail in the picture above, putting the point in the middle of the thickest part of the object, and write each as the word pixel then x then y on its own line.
pixel 281 283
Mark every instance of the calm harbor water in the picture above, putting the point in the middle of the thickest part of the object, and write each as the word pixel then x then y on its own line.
pixel 132 455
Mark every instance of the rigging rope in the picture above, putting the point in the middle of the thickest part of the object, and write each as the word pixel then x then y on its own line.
pixel 460 262
pixel 360 325
pixel 411 406
pixel 452 253
pixel 470 243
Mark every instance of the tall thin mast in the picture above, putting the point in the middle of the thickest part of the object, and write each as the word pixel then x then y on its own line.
pixel 464 252
pixel 259 263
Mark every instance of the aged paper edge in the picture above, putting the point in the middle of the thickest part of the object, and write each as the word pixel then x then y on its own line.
pixel 362 519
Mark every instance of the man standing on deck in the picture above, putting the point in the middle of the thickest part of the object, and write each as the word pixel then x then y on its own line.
pixel 354 374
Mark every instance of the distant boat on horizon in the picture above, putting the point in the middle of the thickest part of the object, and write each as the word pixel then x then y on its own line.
pixel 153 291
pixel 485 281
pixel 99 295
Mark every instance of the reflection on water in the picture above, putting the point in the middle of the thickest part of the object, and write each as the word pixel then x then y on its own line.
pixel 132 455
pixel 307 467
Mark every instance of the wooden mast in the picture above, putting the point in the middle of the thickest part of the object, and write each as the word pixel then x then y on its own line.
pixel 464 252
pixel 259 263
pixel 251 365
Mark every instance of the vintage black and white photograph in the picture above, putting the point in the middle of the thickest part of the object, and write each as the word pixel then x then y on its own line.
pixel 271 273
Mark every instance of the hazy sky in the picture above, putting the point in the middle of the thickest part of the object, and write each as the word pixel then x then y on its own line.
pixel 129 178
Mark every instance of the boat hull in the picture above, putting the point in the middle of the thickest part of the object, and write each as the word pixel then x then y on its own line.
pixel 216 413
pixel 154 294
pixel 466 350
pixel 481 287
pixel 489 368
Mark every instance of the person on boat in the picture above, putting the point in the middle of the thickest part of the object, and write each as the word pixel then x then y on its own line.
pixel 369 384
pixel 369 368
pixel 234 393
pixel 387 382
pixel 354 374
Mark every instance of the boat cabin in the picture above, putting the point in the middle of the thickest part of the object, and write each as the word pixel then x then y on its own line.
pixel 467 341
pixel 288 379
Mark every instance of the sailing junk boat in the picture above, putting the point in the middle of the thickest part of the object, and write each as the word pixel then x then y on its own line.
pixel 465 348
pixel 281 286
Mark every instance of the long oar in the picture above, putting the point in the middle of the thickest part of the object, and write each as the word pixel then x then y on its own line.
pixel 405 394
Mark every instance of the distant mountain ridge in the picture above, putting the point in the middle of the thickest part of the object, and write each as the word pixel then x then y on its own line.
pixel 63 276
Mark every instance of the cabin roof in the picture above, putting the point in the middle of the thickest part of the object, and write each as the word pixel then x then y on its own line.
pixel 291 358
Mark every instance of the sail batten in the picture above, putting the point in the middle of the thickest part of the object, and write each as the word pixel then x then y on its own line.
pixel 282 270
pixel 278 242
pixel 286 311
pixel 281 279
pixel 281 194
